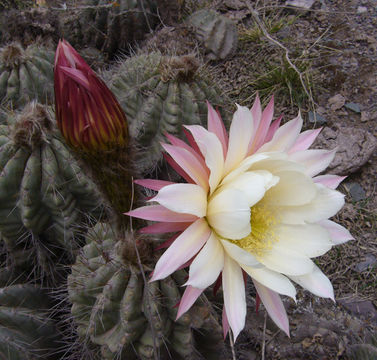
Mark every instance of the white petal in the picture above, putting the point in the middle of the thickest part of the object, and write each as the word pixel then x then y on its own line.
pixel 286 261
pixel 234 295
pixel 207 265
pixel 284 137
pixel 273 280
pixel 274 306
pixel 211 148
pixel 325 205
pixel 276 162
pixel 310 239
pixel 316 282
pixel 338 233
pixel 294 188
pixel 229 214
pixel 184 247
pixel 239 255
pixel 183 198
pixel 245 165
pixel 315 161
pixel 240 133
pixel 253 184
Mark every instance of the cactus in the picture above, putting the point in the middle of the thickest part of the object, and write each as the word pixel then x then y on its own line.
pixel 216 31
pixel 43 195
pixel 107 26
pixel 160 94
pixel 129 318
pixel 27 331
pixel 26 74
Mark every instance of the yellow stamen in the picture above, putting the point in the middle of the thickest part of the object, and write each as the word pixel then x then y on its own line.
pixel 262 235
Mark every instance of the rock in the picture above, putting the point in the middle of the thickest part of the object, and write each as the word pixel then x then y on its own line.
pixel 356 191
pixel 364 308
pixel 235 4
pixel 365 116
pixel 354 107
pixel 369 262
pixel 304 4
pixel 362 9
pixel 318 119
pixel 336 102
pixel 354 148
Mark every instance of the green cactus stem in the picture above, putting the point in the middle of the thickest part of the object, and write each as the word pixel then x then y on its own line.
pixel 127 317
pixel 217 32
pixel 26 74
pixel 160 94
pixel 44 196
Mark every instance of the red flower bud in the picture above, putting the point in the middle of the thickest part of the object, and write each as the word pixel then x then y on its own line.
pixel 87 112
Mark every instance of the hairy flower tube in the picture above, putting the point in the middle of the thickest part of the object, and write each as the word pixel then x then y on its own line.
pixel 88 114
pixel 253 204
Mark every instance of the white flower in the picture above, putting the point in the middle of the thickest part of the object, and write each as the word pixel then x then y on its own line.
pixel 253 204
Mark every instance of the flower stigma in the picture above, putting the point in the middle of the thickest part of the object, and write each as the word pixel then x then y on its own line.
pixel 262 235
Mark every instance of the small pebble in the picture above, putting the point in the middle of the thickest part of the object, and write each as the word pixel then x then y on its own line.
pixel 362 9
pixel 356 191
pixel 354 107
pixel 318 119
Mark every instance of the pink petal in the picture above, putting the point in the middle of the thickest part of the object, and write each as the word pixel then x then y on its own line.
pixel 284 137
pixel 304 140
pixel 189 164
pixel 152 183
pixel 191 141
pixel 177 168
pixel 210 147
pixel 216 126
pixel 188 298
pixel 183 249
pixel 234 295
pixel 160 213
pixel 180 143
pixel 273 128
pixel 330 181
pixel 264 125
pixel 315 161
pixel 256 111
pixel 338 233
pixel 240 134
pixel 274 306
pixel 166 243
pixel 225 323
pixel 164 227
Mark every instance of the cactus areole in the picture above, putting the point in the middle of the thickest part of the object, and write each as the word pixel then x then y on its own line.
pixel 88 114
pixel 94 125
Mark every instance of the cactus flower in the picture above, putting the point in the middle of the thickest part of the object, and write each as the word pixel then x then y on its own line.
pixel 88 114
pixel 254 204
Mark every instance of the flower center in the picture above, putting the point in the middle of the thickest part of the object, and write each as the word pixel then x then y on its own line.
pixel 262 235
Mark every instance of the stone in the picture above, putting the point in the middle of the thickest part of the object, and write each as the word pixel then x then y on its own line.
pixel 358 307
pixel 354 107
pixel 337 102
pixel 318 119
pixel 354 146
pixel 369 262
pixel 362 9
pixel 304 4
pixel 365 116
pixel 356 191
